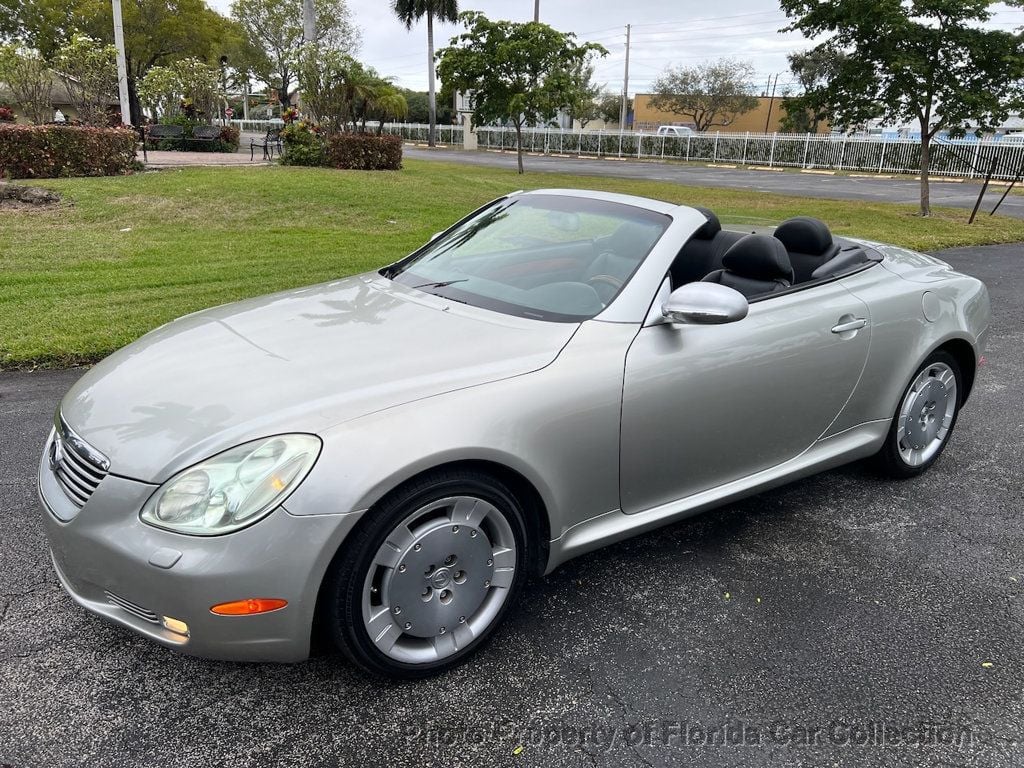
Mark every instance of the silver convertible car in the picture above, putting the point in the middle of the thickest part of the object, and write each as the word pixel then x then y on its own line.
pixel 385 458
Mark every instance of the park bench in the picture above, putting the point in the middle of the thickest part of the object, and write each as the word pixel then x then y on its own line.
pixel 269 142
pixel 161 131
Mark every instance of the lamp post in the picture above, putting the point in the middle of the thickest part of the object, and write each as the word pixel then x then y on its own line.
pixel 122 67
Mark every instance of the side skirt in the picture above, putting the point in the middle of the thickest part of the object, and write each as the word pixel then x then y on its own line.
pixel 855 443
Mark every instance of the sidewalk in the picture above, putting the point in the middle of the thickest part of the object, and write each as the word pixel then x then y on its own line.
pixel 164 159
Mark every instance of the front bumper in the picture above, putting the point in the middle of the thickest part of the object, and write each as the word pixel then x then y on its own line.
pixel 104 557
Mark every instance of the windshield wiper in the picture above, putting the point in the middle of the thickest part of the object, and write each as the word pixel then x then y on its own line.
pixel 442 284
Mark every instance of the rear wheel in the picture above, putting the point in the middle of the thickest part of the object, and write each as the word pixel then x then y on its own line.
pixel 924 419
pixel 429 577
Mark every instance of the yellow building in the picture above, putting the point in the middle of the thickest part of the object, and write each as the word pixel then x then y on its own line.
pixel 765 118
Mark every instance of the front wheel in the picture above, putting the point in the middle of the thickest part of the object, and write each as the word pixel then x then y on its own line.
pixel 429 577
pixel 925 418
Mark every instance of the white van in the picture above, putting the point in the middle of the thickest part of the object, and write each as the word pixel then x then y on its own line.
pixel 676 130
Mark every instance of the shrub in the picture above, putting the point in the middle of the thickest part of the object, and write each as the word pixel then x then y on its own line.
pixel 48 151
pixel 229 138
pixel 364 152
pixel 303 145
pixel 6 114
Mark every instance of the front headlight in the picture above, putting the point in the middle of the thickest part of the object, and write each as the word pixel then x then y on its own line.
pixel 233 489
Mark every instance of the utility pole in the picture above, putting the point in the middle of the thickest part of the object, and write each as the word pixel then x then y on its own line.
pixel 122 67
pixel 536 10
pixel 771 101
pixel 624 112
pixel 308 21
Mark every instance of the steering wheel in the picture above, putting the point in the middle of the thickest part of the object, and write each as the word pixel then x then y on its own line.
pixel 606 286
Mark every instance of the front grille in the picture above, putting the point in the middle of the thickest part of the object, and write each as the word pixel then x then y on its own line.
pixel 135 610
pixel 78 466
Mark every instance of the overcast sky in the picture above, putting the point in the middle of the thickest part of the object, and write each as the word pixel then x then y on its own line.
pixel 664 32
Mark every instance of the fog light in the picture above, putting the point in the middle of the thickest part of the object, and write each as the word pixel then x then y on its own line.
pixel 177 626
pixel 249 607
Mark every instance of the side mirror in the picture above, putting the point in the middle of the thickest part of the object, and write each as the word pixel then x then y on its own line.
pixel 705 304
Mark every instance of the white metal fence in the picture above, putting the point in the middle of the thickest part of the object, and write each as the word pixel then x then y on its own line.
pixel 960 158
pixel 446 134
pixel 257 126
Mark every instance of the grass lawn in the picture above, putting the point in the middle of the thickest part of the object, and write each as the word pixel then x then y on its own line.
pixel 124 255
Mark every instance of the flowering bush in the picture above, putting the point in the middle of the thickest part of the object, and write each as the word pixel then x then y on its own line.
pixel 303 144
pixel 364 152
pixel 290 115
pixel 47 151
pixel 6 114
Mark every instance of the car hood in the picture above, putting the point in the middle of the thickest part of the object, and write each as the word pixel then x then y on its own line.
pixel 298 361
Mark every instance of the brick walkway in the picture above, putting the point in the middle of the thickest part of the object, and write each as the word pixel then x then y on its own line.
pixel 159 159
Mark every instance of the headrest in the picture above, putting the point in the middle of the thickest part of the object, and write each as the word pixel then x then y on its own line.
pixel 632 239
pixel 805 235
pixel 759 257
pixel 710 228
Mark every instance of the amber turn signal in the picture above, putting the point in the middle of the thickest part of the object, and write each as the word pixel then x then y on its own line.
pixel 249 607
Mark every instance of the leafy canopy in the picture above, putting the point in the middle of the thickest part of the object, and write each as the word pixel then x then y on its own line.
pixel 711 94
pixel 411 11
pixel 88 70
pixel 30 80
pixel 273 29
pixel 924 60
pixel 515 72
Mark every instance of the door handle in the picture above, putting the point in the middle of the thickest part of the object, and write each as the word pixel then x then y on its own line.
pixel 852 325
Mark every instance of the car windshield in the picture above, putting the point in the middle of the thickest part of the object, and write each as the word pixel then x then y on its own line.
pixel 549 257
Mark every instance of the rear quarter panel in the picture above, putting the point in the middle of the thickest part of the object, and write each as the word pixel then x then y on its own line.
pixel 917 304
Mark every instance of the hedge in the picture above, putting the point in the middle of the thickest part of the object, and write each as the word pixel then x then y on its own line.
pixel 364 152
pixel 48 151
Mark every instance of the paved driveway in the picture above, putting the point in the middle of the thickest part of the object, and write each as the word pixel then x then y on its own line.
pixel 901 189
pixel 830 622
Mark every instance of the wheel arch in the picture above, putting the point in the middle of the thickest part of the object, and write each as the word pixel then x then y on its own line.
pixel 963 352
pixel 535 509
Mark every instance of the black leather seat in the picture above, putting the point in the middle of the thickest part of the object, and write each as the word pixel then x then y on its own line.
pixel 756 265
pixel 703 252
pixel 809 244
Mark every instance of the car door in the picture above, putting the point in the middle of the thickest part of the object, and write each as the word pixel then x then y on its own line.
pixel 704 405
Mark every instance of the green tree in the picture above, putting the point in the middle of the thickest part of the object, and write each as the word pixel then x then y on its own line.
pixel 811 69
pixel 924 60
pixel 387 103
pixel 609 106
pixel 186 84
pixel 155 31
pixel 411 11
pixel 273 30
pixel 30 79
pixel 515 72
pixel 711 94
pixel 88 70
pixel 582 98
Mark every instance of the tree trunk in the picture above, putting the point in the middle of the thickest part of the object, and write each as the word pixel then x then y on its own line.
pixel 519 146
pixel 134 105
pixel 432 97
pixel 926 141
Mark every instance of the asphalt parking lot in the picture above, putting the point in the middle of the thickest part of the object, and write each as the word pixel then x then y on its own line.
pixel 839 621
pixel 898 189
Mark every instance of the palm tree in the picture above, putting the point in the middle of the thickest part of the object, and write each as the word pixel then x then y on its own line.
pixel 411 11
pixel 386 103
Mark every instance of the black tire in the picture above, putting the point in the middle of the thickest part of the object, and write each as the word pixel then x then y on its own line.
pixel 343 587
pixel 888 460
